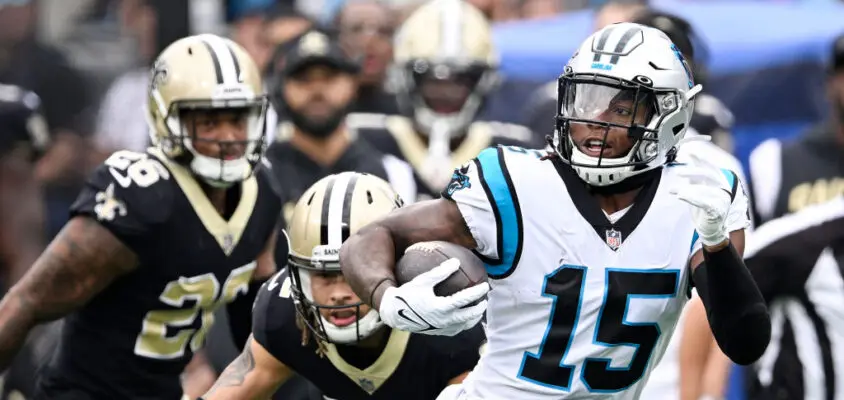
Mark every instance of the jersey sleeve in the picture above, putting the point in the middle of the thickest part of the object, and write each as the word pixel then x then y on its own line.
pixel 273 316
pixel 128 194
pixel 484 193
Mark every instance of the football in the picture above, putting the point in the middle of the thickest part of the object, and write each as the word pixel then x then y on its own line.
pixel 422 257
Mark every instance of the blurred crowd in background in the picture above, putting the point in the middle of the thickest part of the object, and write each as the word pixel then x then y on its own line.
pixel 771 68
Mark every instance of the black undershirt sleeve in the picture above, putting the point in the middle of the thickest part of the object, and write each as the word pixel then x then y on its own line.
pixel 735 308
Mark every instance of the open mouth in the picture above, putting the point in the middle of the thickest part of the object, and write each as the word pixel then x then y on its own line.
pixel 343 318
pixel 594 147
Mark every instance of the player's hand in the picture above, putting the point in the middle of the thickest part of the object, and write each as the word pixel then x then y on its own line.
pixel 414 307
pixel 705 190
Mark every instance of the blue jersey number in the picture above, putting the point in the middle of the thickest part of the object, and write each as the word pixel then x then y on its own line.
pixel 565 286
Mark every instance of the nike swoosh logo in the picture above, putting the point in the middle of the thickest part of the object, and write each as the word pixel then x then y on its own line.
pixel 418 321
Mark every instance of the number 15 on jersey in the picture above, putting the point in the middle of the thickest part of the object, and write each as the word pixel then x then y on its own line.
pixel 566 286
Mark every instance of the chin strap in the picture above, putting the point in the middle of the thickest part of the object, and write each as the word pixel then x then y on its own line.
pixel 628 184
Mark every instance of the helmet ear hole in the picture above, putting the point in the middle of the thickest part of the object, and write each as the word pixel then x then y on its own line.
pixel 190 51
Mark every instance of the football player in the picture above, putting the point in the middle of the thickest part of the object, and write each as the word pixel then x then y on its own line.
pixel 308 320
pixel 590 249
pixel 159 240
pixel 445 66
pixel 23 138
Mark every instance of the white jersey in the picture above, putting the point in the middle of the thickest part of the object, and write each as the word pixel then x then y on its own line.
pixel 580 307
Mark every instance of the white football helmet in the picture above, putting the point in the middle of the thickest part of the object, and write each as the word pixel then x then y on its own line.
pixel 628 64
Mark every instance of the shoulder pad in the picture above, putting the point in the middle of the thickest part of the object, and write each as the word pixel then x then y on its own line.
pixel 503 130
pixel 274 316
pixel 519 151
pixel 130 186
pixel 355 121
pixel 368 123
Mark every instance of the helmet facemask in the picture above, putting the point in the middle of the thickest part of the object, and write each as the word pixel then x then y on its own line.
pixel 325 261
pixel 180 141
pixel 446 92
pixel 598 114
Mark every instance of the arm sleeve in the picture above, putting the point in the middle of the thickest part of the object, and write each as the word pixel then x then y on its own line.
pixel 483 191
pixel 128 194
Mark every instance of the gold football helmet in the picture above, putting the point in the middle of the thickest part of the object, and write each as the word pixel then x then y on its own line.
pixel 444 65
pixel 326 215
pixel 206 72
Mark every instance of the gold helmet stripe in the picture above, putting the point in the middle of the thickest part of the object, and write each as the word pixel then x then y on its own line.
pixel 225 63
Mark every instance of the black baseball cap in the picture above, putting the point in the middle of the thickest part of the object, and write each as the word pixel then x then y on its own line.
pixel 675 27
pixel 317 47
pixel 836 63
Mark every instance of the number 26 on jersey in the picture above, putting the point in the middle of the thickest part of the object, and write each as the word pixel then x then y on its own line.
pixel 166 334
pixel 566 286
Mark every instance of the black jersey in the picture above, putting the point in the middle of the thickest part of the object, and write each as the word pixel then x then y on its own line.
pixel 395 135
pixel 409 367
pixel 294 172
pixel 133 340
pixel 786 177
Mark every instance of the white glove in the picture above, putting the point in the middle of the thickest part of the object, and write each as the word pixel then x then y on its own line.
pixel 414 307
pixel 710 200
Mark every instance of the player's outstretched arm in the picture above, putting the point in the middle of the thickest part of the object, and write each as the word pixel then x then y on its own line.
pixel 369 256
pixel 82 260
pixel 253 375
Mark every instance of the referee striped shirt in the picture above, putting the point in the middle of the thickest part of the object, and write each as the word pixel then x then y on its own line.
pixel 797 262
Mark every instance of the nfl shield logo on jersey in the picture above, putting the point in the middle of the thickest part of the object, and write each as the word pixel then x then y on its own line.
pixel 613 239
pixel 228 243
pixel 367 385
